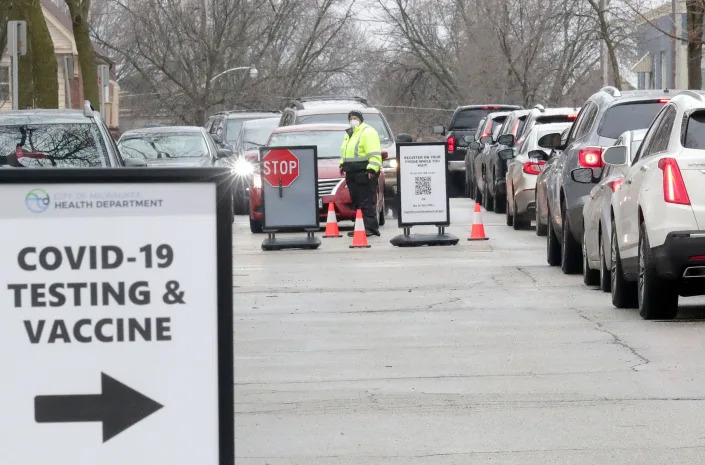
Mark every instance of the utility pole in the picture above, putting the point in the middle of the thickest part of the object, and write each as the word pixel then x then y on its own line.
pixel 674 46
pixel 17 45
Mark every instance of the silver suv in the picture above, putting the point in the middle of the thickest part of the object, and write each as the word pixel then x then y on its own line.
pixel 58 139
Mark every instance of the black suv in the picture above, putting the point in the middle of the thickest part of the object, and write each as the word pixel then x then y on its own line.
pixel 606 114
pixel 224 127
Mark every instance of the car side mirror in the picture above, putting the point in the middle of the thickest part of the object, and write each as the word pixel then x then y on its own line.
pixel 507 139
pixel 134 162
pixel 583 176
pixel 486 139
pixel 441 130
pixel 223 153
pixel 615 155
pixel 474 145
pixel 404 138
pixel 538 155
pixel 506 154
pixel 551 141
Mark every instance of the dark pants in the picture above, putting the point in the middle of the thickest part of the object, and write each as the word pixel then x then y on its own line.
pixel 362 191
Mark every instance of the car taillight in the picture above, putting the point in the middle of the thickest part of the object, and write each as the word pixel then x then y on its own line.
pixel 614 185
pixel 572 117
pixel 590 157
pixel 533 167
pixel 664 100
pixel 491 107
pixel 673 186
pixel 451 144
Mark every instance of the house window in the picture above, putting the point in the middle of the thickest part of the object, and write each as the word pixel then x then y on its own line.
pixel 648 81
pixel 4 84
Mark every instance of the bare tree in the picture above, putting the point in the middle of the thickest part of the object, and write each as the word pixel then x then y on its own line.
pixel 78 9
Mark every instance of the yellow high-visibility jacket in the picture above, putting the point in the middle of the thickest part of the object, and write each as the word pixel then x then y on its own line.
pixel 363 146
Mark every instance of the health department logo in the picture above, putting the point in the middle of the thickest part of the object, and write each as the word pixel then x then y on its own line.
pixel 37 200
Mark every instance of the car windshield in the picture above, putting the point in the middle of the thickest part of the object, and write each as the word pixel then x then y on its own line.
pixel 373 119
pixel 234 126
pixel 56 145
pixel 627 117
pixel 695 132
pixel 469 119
pixel 256 133
pixel 153 146
pixel 327 142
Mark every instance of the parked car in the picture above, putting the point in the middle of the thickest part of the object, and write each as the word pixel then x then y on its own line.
pixel 253 135
pixel 464 122
pixel 512 124
pixel 523 168
pixel 334 110
pixel 541 185
pixel 597 212
pixel 57 139
pixel 473 149
pixel 224 127
pixel 171 146
pixel 607 114
pixel 331 185
pixel 488 135
pixel 658 222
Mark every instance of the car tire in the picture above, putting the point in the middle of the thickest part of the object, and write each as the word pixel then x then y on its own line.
pixel 255 226
pixel 478 196
pixel 541 229
pixel 510 217
pixel 590 277
pixel 500 205
pixel 487 199
pixel 382 217
pixel 553 247
pixel 657 298
pixel 571 260
pixel 605 278
pixel 470 187
pixel 624 293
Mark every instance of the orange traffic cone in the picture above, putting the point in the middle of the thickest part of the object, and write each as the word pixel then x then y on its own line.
pixel 359 234
pixel 332 223
pixel 477 233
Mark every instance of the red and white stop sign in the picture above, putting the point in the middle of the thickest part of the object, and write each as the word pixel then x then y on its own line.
pixel 280 165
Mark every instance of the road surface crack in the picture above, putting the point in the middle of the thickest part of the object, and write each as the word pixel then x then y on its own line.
pixel 618 341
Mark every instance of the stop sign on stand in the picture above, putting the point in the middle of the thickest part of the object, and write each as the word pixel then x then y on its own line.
pixel 280 168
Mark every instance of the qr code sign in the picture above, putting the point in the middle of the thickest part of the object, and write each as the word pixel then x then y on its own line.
pixel 423 185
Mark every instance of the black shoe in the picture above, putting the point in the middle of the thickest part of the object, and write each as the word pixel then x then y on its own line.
pixel 351 233
pixel 373 232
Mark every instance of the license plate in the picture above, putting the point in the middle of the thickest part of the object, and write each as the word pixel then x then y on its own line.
pixel 320 203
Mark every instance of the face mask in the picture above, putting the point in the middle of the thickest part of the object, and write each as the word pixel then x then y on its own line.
pixel 354 123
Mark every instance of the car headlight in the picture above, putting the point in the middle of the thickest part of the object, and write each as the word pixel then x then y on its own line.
pixel 393 163
pixel 242 167
pixel 257 181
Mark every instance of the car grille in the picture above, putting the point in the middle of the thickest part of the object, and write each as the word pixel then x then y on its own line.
pixel 327 186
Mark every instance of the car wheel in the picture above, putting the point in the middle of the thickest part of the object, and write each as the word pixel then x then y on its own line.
pixel 500 204
pixel 382 213
pixel 590 277
pixel 470 186
pixel 541 229
pixel 571 260
pixel 255 226
pixel 624 293
pixel 605 278
pixel 487 199
pixel 657 297
pixel 478 196
pixel 510 217
pixel 553 247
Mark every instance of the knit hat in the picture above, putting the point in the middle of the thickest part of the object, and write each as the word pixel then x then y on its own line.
pixel 357 114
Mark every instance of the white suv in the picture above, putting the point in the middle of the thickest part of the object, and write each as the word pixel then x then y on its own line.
pixel 658 213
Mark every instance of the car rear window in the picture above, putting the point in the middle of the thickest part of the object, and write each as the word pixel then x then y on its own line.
pixel 55 145
pixel 470 118
pixel 153 146
pixel 555 119
pixel 695 131
pixel 373 119
pixel 627 117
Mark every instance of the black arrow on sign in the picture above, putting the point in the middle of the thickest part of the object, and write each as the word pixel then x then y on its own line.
pixel 118 407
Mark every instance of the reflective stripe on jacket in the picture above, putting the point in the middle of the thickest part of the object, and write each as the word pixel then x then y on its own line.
pixel 363 146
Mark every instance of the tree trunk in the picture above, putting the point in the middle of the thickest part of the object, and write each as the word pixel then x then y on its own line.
pixel 86 55
pixel 45 85
pixel 694 15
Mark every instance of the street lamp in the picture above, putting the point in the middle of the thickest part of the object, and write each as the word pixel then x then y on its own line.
pixel 253 72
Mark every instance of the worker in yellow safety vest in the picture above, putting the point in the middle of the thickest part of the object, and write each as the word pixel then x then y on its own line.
pixel 360 163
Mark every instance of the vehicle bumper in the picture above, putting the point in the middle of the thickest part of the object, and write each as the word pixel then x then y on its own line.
pixel 456 165
pixel 674 260
pixel 525 202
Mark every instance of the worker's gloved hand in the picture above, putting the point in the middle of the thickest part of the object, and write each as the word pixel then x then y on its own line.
pixel 372 174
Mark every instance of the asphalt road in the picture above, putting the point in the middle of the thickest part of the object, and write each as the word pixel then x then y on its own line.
pixel 478 353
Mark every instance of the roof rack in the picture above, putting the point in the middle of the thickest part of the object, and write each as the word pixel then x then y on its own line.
pixel 298 102
pixel 695 95
pixel 249 110
pixel 540 107
pixel 613 91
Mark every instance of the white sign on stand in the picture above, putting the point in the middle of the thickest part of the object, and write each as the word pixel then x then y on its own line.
pixel 422 184
pixel 111 336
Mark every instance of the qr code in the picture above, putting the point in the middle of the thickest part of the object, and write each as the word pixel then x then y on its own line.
pixel 423 185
